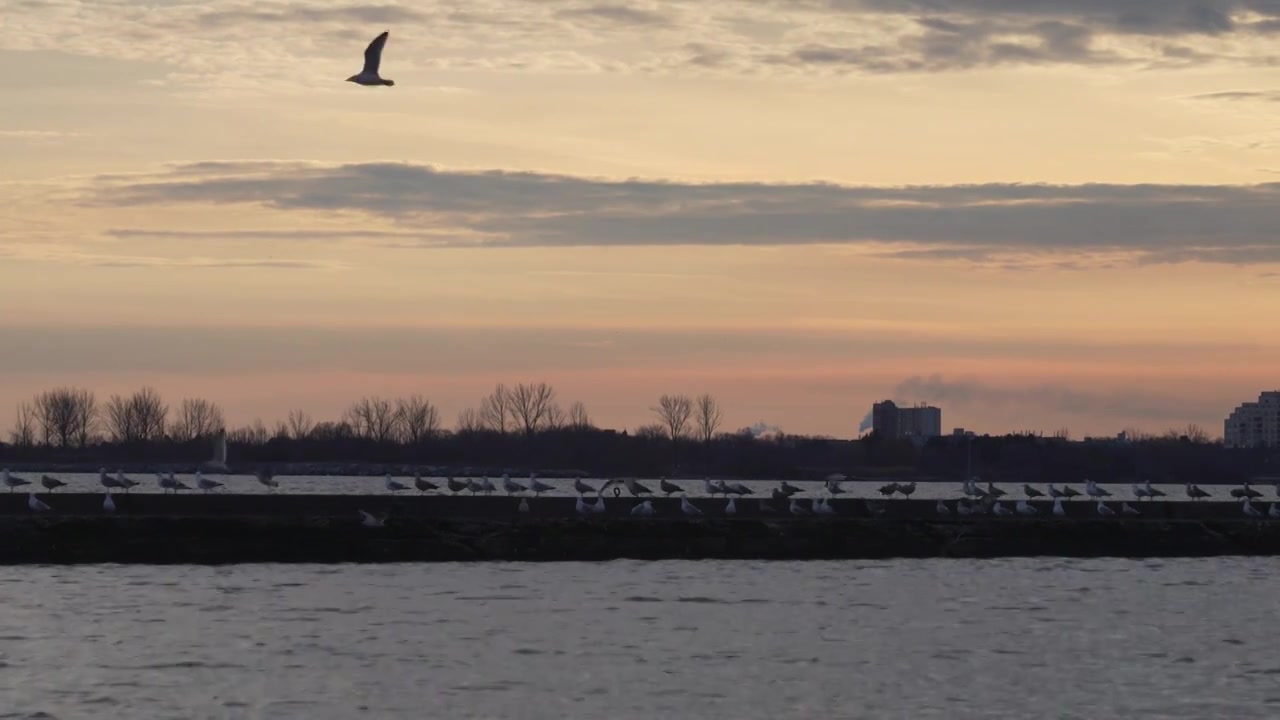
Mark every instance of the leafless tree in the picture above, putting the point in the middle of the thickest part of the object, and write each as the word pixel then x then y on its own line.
pixel 654 431
pixel 417 419
pixel 23 433
pixel 329 431
pixel 300 424
pixel 197 418
pixel 531 402
pixel 137 418
pixel 497 411
pixel 281 431
pixel 118 417
pixel 469 421
pixel 578 418
pixel 253 434
pixel 674 411
pixel 373 418
pixel 66 416
pixel 707 417
pixel 555 419
pixel 1197 434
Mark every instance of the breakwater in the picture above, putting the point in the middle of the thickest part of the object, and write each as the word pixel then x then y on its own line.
pixel 229 528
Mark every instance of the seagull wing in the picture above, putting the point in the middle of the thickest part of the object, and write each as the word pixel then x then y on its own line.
pixel 373 54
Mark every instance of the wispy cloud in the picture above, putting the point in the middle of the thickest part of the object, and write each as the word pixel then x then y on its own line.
pixel 1040 399
pixel 1070 225
pixel 1238 95
pixel 203 45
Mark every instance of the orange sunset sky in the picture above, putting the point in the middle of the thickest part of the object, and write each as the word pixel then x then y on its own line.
pixel 1033 213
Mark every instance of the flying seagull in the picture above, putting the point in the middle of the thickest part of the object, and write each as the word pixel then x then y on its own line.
pixel 372 59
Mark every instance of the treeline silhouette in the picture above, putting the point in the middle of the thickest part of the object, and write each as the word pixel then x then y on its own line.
pixel 524 428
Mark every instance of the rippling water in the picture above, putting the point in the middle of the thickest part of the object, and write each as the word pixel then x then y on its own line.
pixel 999 638
pixel 311 484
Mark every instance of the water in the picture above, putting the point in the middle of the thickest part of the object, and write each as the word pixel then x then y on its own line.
pixel 1002 638
pixel 368 485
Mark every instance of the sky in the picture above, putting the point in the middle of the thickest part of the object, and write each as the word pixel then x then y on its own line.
pixel 1034 214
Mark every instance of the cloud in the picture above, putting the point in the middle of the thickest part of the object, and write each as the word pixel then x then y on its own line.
pixel 991 224
pixel 199 45
pixel 1048 399
pixel 72 256
pixel 617 15
pixel 1236 95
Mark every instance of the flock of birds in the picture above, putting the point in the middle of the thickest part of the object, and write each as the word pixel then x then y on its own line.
pixel 975 500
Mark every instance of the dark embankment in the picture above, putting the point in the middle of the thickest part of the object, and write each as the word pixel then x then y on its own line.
pixel 326 528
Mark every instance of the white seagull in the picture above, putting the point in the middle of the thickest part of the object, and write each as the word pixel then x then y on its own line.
pixel 369 520
pixel 1057 507
pixel 12 481
pixel 372 60
pixel 205 483
pixel 820 507
pixel 999 509
pixel 511 486
pixel 537 486
pixel 687 507
pixel 1249 509
pixel 731 509
pixel 523 506
pixel 1273 511
pixel 1104 510
pixel 942 508
pixel 644 508
pixel 392 485
pixel 797 509
pixel 37 505
pixel 1024 508
pixel 108 504
pixel 1128 509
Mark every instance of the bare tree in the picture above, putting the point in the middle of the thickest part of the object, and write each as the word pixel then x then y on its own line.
pixel 417 418
pixel 530 404
pixel 23 433
pixel 497 410
pixel 373 418
pixel 578 418
pixel 281 431
pixel 253 434
pixel 469 421
pixel 299 424
pixel 330 431
pixel 555 418
pixel 118 418
pixel 197 418
pixel 674 411
pixel 1196 434
pixel 707 417
pixel 654 431
pixel 66 416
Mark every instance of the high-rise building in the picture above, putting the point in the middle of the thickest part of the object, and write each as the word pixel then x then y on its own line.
pixel 1254 424
pixel 921 421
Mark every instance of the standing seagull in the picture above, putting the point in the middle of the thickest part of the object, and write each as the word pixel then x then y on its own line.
pixel 392 485
pixel 537 486
pixel 424 485
pixel 51 483
pixel 267 479
pixel 13 482
pixel 372 60
pixel 669 487
pixel 205 484
pixel 37 505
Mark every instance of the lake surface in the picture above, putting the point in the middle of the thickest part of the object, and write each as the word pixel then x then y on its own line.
pixel 905 639
pixel 563 487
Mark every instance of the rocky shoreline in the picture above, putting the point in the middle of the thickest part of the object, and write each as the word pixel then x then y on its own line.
pixel 220 529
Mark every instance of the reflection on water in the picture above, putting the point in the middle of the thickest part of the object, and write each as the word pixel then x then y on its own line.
pixel 1012 638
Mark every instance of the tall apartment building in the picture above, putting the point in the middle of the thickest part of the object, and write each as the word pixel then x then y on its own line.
pixel 890 421
pixel 1254 424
